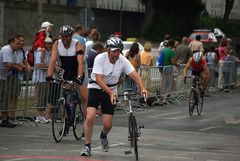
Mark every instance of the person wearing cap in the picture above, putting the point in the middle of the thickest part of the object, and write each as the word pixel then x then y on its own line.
pixel 107 69
pixel 39 74
pixel 39 49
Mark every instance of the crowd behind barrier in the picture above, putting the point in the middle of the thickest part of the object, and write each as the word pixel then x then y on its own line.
pixel 162 82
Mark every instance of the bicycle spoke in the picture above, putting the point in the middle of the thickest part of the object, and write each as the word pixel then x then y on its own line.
pixel 58 122
pixel 78 122
pixel 191 102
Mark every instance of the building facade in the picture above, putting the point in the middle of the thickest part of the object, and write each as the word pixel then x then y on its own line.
pixel 216 8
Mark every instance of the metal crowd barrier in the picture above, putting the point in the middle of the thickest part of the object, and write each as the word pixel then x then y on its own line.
pixel 35 93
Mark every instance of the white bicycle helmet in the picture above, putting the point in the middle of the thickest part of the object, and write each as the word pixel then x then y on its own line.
pixel 114 43
pixel 197 56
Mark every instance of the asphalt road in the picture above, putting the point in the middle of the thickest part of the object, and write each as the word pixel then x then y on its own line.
pixel 170 134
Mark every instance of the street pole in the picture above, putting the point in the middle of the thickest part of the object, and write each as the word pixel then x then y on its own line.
pixel 86 14
pixel 40 11
pixel 120 21
pixel 2 21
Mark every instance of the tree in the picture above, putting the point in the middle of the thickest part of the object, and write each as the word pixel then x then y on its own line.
pixel 177 17
pixel 228 8
pixel 148 16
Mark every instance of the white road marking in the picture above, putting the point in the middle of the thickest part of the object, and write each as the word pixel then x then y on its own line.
pixel 112 145
pixel 208 119
pixel 175 157
pixel 231 120
pixel 178 117
pixel 42 150
pixel 164 114
pixel 17 159
pixel 208 128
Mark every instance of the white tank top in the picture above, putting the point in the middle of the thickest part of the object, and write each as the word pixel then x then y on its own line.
pixel 71 51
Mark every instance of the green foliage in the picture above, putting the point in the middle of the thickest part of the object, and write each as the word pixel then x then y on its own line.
pixel 175 17
pixel 229 27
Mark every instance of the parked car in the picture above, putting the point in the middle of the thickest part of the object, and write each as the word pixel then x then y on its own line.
pixel 206 35
pixel 128 44
pixel 218 33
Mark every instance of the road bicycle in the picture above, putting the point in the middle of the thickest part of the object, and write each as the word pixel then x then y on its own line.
pixel 133 129
pixel 196 95
pixel 68 112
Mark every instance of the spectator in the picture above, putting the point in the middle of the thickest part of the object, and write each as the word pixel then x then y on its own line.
pixel 39 46
pixel 39 75
pixel 146 59
pixel 92 53
pixel 22 62
pixel 212 60
pixel 222 54
pixel 9 80
pixel 183 52
pixel 196 45
pixel 166 38
pixel 79 31
pixel 78 35
pixel 95 38
pixel 133 56
pixel 89 33
pixel 228 68
pixel 167 74
pixel 169 54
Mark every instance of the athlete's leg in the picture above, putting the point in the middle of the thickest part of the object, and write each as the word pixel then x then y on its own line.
pixel 107 123
pixel 88 125
pixel 84 97
pixel 205 74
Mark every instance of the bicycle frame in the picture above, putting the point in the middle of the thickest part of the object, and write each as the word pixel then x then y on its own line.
pixel 133 128
pixel 196 95
pixel 67 113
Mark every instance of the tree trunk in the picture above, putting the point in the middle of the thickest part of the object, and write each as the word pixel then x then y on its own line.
pixel 228 8
pixel 149 12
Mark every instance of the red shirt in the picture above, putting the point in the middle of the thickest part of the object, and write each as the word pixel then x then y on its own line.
pixel 198 66
pixel 222 53
pixel 39 40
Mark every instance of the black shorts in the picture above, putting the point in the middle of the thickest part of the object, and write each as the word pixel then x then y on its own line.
pixel 197 73
pixel 98 97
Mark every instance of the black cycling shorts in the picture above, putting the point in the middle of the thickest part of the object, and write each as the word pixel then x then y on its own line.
pixel 98 97
pixel 197 73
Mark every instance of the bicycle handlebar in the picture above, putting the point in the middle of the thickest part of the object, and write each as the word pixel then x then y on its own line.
pixel 127 95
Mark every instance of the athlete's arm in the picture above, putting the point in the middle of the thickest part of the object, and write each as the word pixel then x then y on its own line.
pixel 185 70
pixel 80 58
pixel 134 75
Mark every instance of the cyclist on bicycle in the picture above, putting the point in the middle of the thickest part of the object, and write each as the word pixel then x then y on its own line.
pixel 107 69
pixel 199 68
pixel 71 55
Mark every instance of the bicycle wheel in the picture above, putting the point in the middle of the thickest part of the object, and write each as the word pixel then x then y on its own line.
pixel 192 102
pixel 78 122
pixel 58 121
pixel 200 103
pixel 133 133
